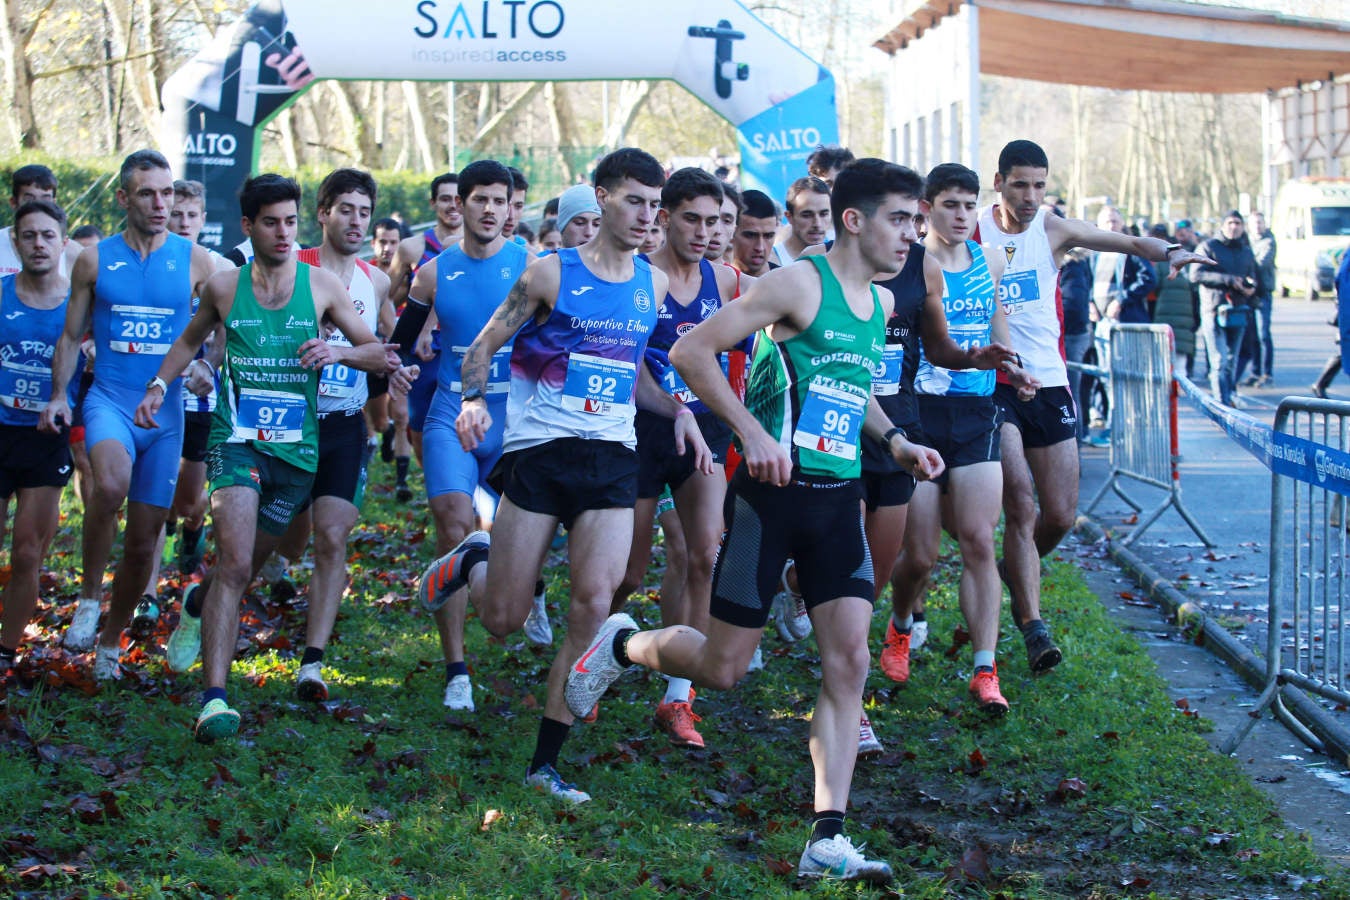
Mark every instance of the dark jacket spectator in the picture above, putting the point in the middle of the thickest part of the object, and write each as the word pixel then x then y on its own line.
pixel 1174 308
pixel 1135 280
pixel 1075 288
pixel 1222 283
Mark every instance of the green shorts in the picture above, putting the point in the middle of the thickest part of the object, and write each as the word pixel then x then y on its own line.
pixel 283 489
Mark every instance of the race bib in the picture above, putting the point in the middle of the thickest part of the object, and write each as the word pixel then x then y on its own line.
pixel 969 337
pixel 599 386
pixel 675 386
pixel 140 329
pixel 272 416
pixel 499 372
pixel 830 422
pixel 339 381
pixel 1017 290
pixel 25 386
pixel 886 382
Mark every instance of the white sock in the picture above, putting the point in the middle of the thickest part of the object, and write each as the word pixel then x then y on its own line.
pixel 984 658
pixel 903 625
pixel 677 690
pixel 94 600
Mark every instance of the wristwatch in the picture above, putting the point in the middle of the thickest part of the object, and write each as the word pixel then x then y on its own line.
pixel 157 382
pixel 892 433
pixel 473 393
pixel 1167 251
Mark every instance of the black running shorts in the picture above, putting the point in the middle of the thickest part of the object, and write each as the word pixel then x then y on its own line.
pixel 566 477
pixel 1051 417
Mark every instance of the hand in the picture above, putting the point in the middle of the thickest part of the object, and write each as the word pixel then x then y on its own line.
pixel 292 68
pixel 472 424
pixel 991 356
pixel 1180 259
pixel 316 353
pixel 422 349
pixel 401 379
pixel 924 463
pixel 392 361
pixel 689 436
pixel 1244 287
pixel 149 405
pixel 1027 384
pixel 765 459
pixel 56 417
pixel 201 379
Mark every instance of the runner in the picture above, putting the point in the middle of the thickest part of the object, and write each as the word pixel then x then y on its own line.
pixel 467 283
pixel 263 447
pixel 388 423
pixel 576 375
pixel 519 185
pixel 385 236
pixel 756 228
pixel 961 421
pixel 720 248
pixel 34 466
pixel 578 215
pixel 137 288
pixel 1039 439
pixel 32 182
pixel 808 215
pixel 797 493
pixel 826 162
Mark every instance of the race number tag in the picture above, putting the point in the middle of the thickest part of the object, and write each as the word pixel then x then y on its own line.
pixel 831 421
pixel 674 384
pixel 141 329
pixel 25 386
pixel 272 416
pixel 1018 290
pixel 599 386
pixel 886 382
pixel 499 372
pixel 339 381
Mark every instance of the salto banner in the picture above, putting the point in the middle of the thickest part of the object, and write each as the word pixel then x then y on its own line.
pixel 780 100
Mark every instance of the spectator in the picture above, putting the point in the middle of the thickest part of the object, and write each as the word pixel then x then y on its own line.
pixel 1121 282
pixel 1075 291
pixel 1258 347
pixel 1227 288
pixel 1174 307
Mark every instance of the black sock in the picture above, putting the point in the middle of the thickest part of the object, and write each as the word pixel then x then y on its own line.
pixel 621 646
pixel 552 735
pixel 401 467
pixel 388 431
pixel 472 558
pixel 312 655
pixel 193 606
pixel 918 617
pixel 826 824
pixel 539 587
pixel 190 536
pixel 455 668
pixel 170 526
pixel 212 694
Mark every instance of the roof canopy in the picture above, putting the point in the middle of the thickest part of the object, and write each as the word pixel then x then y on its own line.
pixel 1151 45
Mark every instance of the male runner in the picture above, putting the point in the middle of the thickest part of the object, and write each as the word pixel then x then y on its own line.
pixel 796 494
pixel 385 236
pixel 34 466
pixel 719 248
pixel 826 162
pixel 519 185
pixel 808 215
pixel 961 421
pixel 32 182
pixel 264 437
pixel 576 376
pixel 466 283
pixel 1039 439
pixel 386 415
pixel 137 288
pixel 756 228
pixel 578 215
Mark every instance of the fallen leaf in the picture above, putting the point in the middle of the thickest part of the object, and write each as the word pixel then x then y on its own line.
pixel 492 815
pixel 779 866
pixel 1071 787
pixel 974 866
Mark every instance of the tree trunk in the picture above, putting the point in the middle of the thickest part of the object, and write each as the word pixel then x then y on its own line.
pixel 14 39
pixel 633 95
pixel 506 115
pixel 564 125
pixel 365 149
pixel 419 125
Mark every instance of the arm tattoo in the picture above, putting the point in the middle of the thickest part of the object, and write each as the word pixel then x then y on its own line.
pixel 515 309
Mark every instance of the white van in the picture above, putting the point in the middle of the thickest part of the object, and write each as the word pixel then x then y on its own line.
pixel 1311 222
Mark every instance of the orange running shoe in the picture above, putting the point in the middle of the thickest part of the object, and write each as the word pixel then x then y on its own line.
pixel 984 688
pixel 895 654
pixel 677 720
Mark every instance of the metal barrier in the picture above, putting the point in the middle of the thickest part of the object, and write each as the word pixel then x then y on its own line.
pixel 1144 438
pixel 1307 631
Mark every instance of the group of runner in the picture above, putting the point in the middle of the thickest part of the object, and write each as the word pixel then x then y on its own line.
pixel 803 423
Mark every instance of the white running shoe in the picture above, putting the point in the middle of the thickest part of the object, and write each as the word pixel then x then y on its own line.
pixel 309 683
pixel 83 626
pixel 548 781
pixel 459 693
pixel 185 642
pixel 107 663
pixel 756 661
pixel 273 570
pixel 446 575
pixel 789 611
pixel 918 634
pixel 538 629
pixel 596 669
pixel 837 858
pixel 869 745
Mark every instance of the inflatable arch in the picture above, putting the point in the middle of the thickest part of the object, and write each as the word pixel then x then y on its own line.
pixel 781 102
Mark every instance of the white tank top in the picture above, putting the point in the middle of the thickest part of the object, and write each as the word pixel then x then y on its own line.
pixel 342 388
pixel 1029 294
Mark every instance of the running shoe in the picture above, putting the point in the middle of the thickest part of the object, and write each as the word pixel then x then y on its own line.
pixel 107 663
pixel 869 745
pixel 146 616
pixel 547 780
pixel 756 661
pixel 538 629
pixel 273 569
pixel 918 634
pixel 83 626
pixel 447 574
pixel 403 493
pixel 1042 654
pixel 591 716
pixel 789 611
pixel 596 669
pixel 895 654
pixel 216 721
pixel 984 688
pixel 837 858
pixel 185 643
pixel 677 721
pixel 459 694
pixel 309 683
pixel 190 551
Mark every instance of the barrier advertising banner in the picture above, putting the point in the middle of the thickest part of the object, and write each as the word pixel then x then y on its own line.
pixel 781 101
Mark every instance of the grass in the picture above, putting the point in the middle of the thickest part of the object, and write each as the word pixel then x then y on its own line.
pixel 1096 784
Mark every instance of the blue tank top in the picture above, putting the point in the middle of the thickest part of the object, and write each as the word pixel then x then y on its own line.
pixel 674 321
pixel 27 344
pixel 968 300
pixel 468 292
pixel 575 374
pixel 140 308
